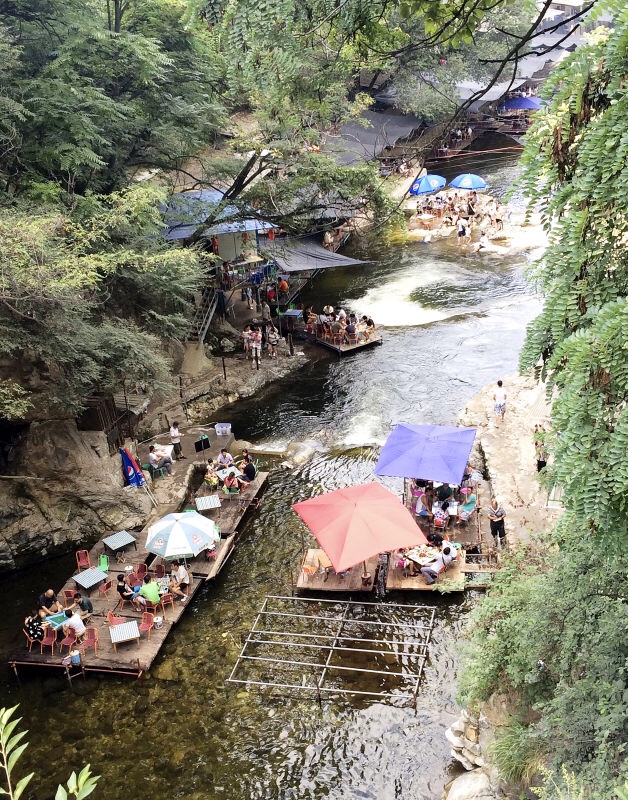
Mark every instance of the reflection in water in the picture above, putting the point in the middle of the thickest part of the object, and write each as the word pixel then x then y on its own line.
pixel 452 324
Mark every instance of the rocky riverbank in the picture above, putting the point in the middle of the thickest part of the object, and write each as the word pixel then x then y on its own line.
pixel 507 449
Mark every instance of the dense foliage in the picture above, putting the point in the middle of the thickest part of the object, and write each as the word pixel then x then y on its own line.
pixel 554 629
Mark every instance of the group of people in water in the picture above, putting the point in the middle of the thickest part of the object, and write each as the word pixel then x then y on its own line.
pixel 336 325
pixel 464 213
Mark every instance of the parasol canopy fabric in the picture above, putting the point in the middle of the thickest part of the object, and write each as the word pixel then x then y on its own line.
pixel 430 452
pixel 181 535
pixel 427 184
pixel 468 181
pixel 521 104
pixel 356 523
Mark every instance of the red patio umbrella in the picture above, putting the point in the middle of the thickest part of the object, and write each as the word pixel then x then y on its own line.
pixel 356 523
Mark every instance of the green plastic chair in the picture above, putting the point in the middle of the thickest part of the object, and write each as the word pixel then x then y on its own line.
pixel 103 562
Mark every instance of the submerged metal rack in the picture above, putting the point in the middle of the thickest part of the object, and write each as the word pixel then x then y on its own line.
pixel 336 647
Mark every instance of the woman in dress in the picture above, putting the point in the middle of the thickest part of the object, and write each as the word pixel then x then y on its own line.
pixel 34 626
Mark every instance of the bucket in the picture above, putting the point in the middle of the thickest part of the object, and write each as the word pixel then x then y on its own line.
pixel 159 622
pixel 223 428
pixel 128 569
pixel 75 656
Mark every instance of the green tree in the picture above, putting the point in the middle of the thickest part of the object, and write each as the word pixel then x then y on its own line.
pixel 554 630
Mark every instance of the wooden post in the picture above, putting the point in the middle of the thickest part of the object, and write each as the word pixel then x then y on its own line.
pixel 290 344
pixel 224 368
pixel 256 359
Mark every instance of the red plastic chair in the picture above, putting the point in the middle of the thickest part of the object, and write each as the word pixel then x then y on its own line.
pixel 113 620
pixel 147 623
pixel 49 640
pixel 352 338
pixel 82 560
pixel 90 640
pixel 151 608
pixel 68 596
pixel 167 599
pixel 69 640
pixel 105 588
pixel 29 640
pixel 134 580
pixel 160 571
pixel 141 571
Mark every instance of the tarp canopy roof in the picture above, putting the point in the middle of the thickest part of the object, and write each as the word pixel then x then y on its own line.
pixel 187 210
pixel 296 255
pixel 365 138
pixel 468 88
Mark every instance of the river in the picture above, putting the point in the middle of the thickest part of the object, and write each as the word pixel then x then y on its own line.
pixel 452 323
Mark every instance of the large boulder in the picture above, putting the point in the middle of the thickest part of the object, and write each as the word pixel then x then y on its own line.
pixel 476 785
pixel 66 490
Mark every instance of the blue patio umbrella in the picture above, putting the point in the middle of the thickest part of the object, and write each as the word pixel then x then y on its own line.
pixel 431 452
pixel 521 104
pixel 468 181
pixel 427 184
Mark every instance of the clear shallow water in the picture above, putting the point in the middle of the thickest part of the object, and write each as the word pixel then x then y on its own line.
pixel 452 324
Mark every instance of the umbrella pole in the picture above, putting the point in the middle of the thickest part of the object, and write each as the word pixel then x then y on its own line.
pixel 364 572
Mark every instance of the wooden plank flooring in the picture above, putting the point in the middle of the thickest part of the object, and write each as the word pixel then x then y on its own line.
pixel 344 349
pixel 132 659
pixel 329 581
pixel 453 580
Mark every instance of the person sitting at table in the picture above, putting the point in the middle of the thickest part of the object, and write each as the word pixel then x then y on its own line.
pixel 126 592
pixel 424 504
pixel 34 626
pixel 468 506
pixel 232 483
pixel 435 540
pixel 73 623
pixel 149 591
pixel 225 459
pixel 432 570
pixel 210 478
pixel 248 470
pixel 440 517
pixel 444 493
pixel 82 605
pixel 159 459
pixel 48 604
pixel 244 458
pixel 350 331
pixel 179 580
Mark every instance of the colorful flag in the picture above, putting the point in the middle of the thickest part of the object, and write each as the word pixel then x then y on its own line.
pixel 132 472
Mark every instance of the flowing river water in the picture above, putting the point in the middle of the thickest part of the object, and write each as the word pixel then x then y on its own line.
pixel 452 323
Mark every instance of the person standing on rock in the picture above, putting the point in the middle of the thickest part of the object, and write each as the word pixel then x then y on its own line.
pixel 175 438
pixel 266 315
pixel 255 343
pixel 499 399
pixel 496 516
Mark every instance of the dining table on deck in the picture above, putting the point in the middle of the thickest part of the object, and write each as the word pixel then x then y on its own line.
pixel 125 632
pixel 90 577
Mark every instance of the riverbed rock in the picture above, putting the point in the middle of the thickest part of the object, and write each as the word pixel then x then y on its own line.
pixel 227 345
pixel 166 671
pixel 70 492
pixel 476 785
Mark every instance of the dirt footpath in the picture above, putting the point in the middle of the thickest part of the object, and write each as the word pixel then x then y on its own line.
pixel 508 450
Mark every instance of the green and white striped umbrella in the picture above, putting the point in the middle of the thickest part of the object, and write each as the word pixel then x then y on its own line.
pixel 181 535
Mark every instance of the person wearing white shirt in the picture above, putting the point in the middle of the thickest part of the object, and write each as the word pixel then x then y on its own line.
pixel 225 459
pixel 175 438
pixel 499 399
pixel 431 571
pixel 159 459
pixel 74 623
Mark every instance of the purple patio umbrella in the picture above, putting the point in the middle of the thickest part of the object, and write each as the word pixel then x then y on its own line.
pixel 431 452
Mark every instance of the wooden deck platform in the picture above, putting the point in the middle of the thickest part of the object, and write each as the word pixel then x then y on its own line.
pixel 346 349
pixel 453 580
pixel 315 575
pixel 135 658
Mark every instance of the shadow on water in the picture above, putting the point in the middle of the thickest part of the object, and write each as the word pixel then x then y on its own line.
pixel 453 324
